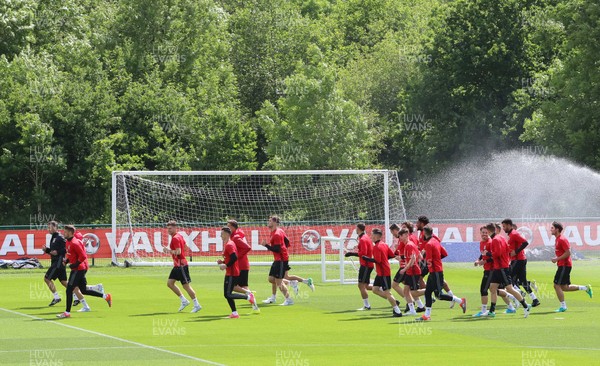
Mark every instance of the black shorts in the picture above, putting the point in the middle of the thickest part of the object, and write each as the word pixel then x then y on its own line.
pixel 519 272
pixel 181 274
pixel 77 279
pixel 242 279
pixel 424 268
pixel 435 283
pixel 399 277
pixel 501 276
pixel 485 283
pixel 364 274
pixel 54 273
pixel 563 275
pixel 383 281
pixel 278 269
pixel 412 281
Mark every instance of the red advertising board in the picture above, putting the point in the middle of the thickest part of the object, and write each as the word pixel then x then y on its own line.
pixel 583 236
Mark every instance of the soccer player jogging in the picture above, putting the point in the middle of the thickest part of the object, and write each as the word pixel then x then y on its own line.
pixel 562 278
pixel 229 264
pixel 399 253
pixel 57 251
pixel 180 271
pixel 422 221
pixel 242 248
pixel 77 260
pixel 280 261
pixel 518 264
pixel 365 248
pixel 415 239
pixel 97 288
pixel 410 272
pixel 382 284
pixel 485 260
pixel 434 253
pixel 501 273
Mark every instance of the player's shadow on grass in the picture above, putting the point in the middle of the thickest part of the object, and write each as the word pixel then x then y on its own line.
pixel 355 311
pixel 32 308
pixel 369 317
pixel 210 318
pixel 548 312
pixel 153 314
pixel 471 319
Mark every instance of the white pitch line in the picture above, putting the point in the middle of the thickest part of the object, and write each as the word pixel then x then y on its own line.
pixel 283 345
pixel 116 338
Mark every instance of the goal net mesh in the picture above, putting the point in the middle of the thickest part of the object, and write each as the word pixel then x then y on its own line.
pixel 202 202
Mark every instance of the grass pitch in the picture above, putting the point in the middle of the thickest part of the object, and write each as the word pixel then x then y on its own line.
pixel 322 328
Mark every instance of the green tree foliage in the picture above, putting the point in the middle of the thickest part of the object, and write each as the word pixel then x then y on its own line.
pixel 567 120
pixel 313 126
pixel 90 87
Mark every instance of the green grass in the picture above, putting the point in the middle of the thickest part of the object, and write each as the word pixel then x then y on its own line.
pixel 144 327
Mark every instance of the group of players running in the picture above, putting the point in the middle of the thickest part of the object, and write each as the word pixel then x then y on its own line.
pixel 69 250
pixel 503 261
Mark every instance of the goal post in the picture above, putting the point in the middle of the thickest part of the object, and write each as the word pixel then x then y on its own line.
pixel 330 202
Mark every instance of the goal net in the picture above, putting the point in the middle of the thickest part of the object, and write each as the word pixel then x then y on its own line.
pixel 328 202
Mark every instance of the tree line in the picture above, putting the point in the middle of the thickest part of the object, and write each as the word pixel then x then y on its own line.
pixel 88 87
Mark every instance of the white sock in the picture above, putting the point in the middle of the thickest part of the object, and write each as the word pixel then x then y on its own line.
pixel 419 303
pixel 196 303
pixel 456 299
pixel 56 296
pixel 182 298
pixel 411 307
pixel 483 308
pixel 396 309
pixel 427 311
pixel 533 297
pixel 235 313
pixel 511 297
pixel 366 302
pixel 511 306
pixel 563 304
pixel 84 303
pixel 583 288
pixel 450 293
pixel 274 296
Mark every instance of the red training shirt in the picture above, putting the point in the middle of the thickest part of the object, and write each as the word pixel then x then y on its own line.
pixel 177 241
pixel 433 254
pixel 381 254
pixel 400 252
pixel 409 249
pixel 486 246
pixel 500 252
pixel 561 245
pixel 242 247
pixel 365 247
pixel 228 250
pixel 414 238
pixel 277 238
pixel 76 253
pixel 514 242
